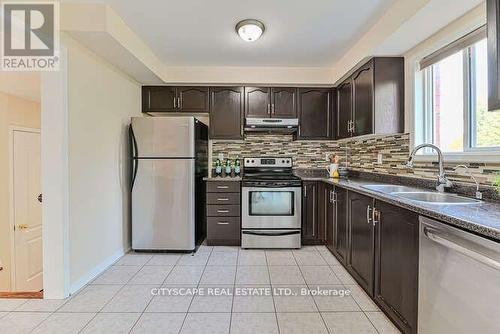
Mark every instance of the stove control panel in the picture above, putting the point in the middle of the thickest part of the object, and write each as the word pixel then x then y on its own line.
pixel 268 162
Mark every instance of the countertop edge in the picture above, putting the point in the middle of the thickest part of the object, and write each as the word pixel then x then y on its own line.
pixel 460 222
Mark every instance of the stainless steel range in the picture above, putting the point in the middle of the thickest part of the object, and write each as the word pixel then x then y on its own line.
pixel 271 204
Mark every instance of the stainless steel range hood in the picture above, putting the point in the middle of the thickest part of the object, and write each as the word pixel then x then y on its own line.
pixel 271 125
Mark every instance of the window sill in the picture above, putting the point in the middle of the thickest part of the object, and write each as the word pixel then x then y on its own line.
pixel 465 157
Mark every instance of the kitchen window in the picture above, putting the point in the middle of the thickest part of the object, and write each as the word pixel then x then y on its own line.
pixel 453 113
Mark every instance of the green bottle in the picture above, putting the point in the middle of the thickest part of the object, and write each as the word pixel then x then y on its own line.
pixel 218 167
pixel 237 167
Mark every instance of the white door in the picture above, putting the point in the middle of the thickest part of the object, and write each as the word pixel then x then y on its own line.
pixel 27 211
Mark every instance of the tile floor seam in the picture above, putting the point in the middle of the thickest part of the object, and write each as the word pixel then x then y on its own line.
pixel 371 322
pixel 197 286
pixel 234 288
pixel 272 294
pixel 314 300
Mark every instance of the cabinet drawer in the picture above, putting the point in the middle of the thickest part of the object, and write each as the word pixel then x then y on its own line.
pixel 223 228
pixel 223 187
pixel 223 210
pixel 223 198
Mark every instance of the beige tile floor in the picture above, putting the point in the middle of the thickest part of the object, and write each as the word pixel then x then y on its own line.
pixel 120 299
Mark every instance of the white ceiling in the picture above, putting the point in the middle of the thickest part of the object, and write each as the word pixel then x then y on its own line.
pixel 299 33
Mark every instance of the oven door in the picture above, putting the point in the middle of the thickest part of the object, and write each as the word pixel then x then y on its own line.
pixel 268 207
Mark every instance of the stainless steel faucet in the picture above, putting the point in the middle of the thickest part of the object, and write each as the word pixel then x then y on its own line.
pixel 443 181
pixel 479 195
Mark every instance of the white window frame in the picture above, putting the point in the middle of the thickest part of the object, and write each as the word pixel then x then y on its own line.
pixel 422 101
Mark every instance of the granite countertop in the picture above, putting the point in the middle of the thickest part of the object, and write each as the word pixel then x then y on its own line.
pixel 482 218
pixel 220 178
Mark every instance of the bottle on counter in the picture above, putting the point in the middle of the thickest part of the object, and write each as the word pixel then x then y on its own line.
pixel 237 167
pixel 218 167
pixel 228 167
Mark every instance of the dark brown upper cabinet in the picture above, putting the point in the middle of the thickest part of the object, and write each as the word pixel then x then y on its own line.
pixel 284 102
pixel 396 264
pixel 158 98
pixel 175 99
pixel 344 109
pixel 360 260
pixel 362 87
pixel 314 110
pixel 276 102
pixel 226 112
pixel 493 26
pixel 257 102
pixel 371 100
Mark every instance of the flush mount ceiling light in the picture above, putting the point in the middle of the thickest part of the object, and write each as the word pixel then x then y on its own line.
pixel 250 30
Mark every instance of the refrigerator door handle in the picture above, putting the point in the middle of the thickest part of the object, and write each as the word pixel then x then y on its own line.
pixel 135 154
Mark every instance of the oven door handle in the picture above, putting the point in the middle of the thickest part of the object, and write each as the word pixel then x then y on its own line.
pixel 271 234
pixel 249 185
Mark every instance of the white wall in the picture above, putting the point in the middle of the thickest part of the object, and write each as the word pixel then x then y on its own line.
pixel 101 100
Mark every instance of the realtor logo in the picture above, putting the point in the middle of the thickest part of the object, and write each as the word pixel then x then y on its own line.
pixel 30 36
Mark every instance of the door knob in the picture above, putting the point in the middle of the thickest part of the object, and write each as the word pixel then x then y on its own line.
pixel 22 226
pixel 39 198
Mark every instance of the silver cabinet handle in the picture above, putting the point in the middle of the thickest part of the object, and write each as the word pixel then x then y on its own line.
pixel 269 109
pixel 222 223
pixel 331 196
pixel 433 235
pixel 223 199
pixel 305 191
pixel 223 211
pixel 222 187
pixel 368 214
pixel 175 103
pixel 179 103
pixel 273 110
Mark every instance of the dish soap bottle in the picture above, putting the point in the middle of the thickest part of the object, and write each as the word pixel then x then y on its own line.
pixel 237 167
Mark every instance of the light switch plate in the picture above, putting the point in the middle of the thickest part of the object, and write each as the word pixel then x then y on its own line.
pixel 220 156
pixel 379 158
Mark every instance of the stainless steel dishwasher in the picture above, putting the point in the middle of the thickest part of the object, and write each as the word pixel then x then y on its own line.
pixel 459 281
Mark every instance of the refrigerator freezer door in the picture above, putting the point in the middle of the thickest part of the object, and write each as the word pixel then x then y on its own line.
pixel 163 205
pixel 163 137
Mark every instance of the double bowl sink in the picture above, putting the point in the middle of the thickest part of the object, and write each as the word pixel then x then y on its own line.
pixel 418 195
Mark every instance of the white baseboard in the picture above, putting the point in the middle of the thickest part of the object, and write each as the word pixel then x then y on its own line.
pixel 96 271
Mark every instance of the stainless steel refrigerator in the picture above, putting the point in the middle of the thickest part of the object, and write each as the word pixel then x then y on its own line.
pixel 169 161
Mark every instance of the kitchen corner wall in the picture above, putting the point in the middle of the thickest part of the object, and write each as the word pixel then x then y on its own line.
pixel 361 155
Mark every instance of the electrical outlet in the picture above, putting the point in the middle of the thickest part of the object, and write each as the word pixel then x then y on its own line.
pixel 379 158
pixel 220 156
pixel 327 156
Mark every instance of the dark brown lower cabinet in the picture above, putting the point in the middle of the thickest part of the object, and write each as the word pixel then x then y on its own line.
pixel 360 260
pixel 312 224
pixel 330 215
pixel 223 213
pixel 396 264
pixel 340 233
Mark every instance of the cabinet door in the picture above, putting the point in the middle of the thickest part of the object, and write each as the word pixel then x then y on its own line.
pixel 193 99
pixel 344 109
pixel 226 112
pixel 362 242
pixel 309 213
pixel 330 216
pixel 158 98
pixel 257 102
pixel 493 23
pixel 341 225
pixel 283 102
pixel 314 113
pixel 396 264
pixel 362 84
pixel 323 198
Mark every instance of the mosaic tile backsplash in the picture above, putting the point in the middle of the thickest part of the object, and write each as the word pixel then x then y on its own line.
pixel 361 154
